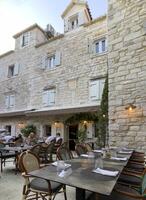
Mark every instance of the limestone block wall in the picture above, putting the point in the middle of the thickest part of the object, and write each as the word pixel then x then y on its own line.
pixel 79 64
pixel 127 72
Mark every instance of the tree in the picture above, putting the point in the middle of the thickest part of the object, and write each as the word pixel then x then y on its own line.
pixel 102 125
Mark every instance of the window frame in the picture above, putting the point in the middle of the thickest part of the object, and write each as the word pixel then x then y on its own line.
pixel 73 19
pixel 25 39
pixel 50 61
pixel 101 49
pixel 11 69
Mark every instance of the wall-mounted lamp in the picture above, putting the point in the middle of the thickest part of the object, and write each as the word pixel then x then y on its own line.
pixel 130 107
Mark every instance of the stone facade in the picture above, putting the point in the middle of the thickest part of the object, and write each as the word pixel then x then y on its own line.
pixel 78 65
pixel 127 72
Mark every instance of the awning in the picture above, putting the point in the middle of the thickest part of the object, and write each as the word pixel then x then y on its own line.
pixel 63 111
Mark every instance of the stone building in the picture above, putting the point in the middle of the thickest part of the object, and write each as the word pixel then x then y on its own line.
pixel 127 72
pixel 49 76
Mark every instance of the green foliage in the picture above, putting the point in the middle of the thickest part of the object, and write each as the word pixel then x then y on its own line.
pixel 75 119
pixel 102 126
pixel 82 134
pixel 28 129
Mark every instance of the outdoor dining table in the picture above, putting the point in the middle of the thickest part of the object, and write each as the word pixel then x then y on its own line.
pixel 82 177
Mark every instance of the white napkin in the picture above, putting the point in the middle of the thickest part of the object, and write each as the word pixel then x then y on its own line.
pixel 87 156
pixel 97 151
pixel 65 164
pixel 127 149
pixel 106 172
pixel 117 158
pixel 66 173
pixel 125 152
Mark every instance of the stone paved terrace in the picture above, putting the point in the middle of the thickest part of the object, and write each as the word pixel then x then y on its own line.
pixel 11 185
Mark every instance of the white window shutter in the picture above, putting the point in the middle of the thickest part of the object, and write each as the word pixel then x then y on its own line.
pixel 57 58
pixel 90 46
pixel 44 62
pixel 45 98
pixel 12 100
pixel 94 90
pixel 16 69
pixel 52 97
pixel 81 19
pixel 7 101
pixel 106 44
pixel 66 25
pixel 21 41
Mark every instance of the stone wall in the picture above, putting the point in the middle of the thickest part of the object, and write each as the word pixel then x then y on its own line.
pixel 127 72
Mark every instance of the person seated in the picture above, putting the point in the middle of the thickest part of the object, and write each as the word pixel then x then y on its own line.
pixel 59 139
pixel 50 138
pixel 18 139
pixel 31 140
pixel 8 138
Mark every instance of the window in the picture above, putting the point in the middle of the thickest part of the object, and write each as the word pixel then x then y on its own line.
pixel 51 62
pixel 100 46
pixel 49 97
pixel 13 70
pixel 96 89
pixel 10 101
pixel 25 39
pixel 73 22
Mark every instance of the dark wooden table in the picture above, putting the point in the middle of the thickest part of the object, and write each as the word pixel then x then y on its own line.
pixel 82 177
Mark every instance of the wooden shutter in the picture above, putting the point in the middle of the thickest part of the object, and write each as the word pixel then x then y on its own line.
pixel 52 97
pixel 12 100
pixel 65 25
pixel 7 101
pixel 81 18
pixel 45 98
pixel 16 69
pixel 57 58
pixel 94 90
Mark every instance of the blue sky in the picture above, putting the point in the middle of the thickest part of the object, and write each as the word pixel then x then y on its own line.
pixel 16 15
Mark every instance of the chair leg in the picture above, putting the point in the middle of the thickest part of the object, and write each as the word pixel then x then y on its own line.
pixel 64 191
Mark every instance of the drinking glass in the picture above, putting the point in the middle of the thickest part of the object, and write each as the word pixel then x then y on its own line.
pixel 60 166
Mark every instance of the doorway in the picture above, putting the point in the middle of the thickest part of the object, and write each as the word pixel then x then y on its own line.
pixel 47 130
pixel 73 129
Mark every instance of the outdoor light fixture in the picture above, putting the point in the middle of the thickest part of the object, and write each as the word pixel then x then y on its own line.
pixel 130 107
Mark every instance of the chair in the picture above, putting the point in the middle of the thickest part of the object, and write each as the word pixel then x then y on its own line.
pixel 4 155
pixel 35 188
pixel 80 149
pixel 63 153
pixel 124 193
pixel 45 153
pixel 88 147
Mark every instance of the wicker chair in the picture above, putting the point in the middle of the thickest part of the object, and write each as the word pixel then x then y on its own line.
pixel 63 153
pixel 36 188
pixel 80 149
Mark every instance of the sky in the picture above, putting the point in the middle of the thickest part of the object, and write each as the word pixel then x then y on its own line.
pixel 16 15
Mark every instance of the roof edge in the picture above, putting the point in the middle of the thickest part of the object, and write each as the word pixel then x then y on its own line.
pixel 28 29
pixel 7 53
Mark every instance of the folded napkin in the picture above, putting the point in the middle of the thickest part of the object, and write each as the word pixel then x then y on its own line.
pixel 65 164
pixel 127 149
pixel 97 151
pixel 87 156
pixel 125 152
pixel 117 158
pixel 66 173
pixel 106 172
